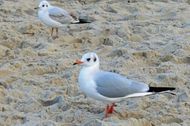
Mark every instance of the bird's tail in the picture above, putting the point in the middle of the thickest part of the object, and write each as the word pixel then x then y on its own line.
pixel 153 90
pixel 75 21
pixel 82 20
pixel 160 89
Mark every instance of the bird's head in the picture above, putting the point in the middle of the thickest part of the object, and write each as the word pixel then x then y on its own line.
pixel 43 5
pixel 88 60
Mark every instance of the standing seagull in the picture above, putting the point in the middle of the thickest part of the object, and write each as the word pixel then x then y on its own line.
pixel 107 86
pixel 46 13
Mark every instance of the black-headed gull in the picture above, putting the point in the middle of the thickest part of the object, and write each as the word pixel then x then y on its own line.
pixel 107 86
pixel 49 14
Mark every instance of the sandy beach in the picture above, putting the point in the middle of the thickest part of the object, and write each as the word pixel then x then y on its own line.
pixel 148 41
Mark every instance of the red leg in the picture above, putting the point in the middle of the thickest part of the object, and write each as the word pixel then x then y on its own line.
pixel 111 109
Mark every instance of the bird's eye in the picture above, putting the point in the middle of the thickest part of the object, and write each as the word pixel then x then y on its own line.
pixel 95 59
pixel 43 5
pixel 88 59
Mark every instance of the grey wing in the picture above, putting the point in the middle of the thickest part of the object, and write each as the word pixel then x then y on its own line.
pixel 57 11
pixel 114 85
pixel 60 15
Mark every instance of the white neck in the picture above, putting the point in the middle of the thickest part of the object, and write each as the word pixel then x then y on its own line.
pixel 86 77
pixel 86 73
pixel 45 11
pixel 90 69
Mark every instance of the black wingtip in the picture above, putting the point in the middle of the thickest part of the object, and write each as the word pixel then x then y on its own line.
pixel 160 89
pixel 83 21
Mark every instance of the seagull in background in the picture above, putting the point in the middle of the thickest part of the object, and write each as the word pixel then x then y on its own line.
pixel 110 87
pixel 49 15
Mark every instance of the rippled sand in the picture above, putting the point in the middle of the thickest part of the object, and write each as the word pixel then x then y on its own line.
pixel 148 41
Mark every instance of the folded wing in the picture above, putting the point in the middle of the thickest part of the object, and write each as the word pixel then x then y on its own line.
pixel 56 11
pixel 113 85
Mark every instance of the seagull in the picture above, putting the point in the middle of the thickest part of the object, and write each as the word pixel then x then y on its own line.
pixel 109 87
pixel 47 14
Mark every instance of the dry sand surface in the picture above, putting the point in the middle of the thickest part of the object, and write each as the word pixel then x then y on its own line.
pixel 148 41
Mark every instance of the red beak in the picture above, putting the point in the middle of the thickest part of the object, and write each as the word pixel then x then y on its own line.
pixel 78 62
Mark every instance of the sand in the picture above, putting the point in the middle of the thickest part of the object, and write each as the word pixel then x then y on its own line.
pixel 148 41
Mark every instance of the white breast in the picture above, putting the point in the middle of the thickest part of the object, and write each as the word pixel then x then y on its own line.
pixel 86 83
pixel 88 86
pixel 44 17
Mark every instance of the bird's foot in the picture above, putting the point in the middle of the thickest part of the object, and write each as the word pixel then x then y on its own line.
pixel 109 110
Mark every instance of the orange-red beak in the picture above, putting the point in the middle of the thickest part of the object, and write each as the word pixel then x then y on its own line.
pixel 78 62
